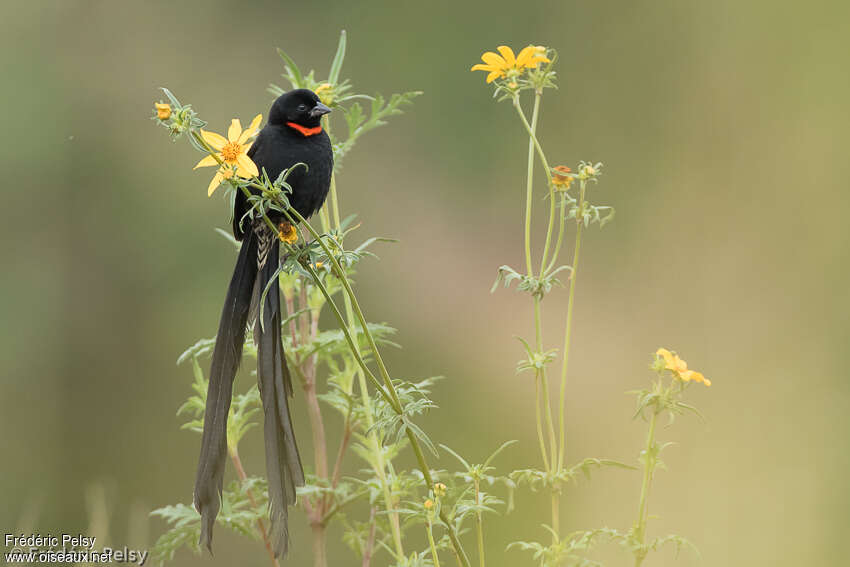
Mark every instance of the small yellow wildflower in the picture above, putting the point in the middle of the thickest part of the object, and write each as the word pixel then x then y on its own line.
pixel 288 233
pixel 439 490
pixel 679 367
pixel 505 63
pixel 233 151
pixel 325 93
pixel 163 111
pixel 429 504
pixel 560 178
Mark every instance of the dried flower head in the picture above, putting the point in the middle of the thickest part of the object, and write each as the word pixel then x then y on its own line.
pixel 287 232
pixel 560 177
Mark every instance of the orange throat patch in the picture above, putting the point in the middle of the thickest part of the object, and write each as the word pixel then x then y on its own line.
pixel 304 130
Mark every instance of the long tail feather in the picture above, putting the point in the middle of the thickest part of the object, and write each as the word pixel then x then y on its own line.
pixel 225 362
pixel 283 463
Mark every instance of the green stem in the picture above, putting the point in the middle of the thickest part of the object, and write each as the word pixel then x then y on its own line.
pixel 556 515
pixel 569 327
pixel 432 544
pixel 479 524
pixel 380 464
pixel 560 239
pixel 334 202
pixel 348 339
pixel 334 199
pixel 529 180
pixel 539 420
pixel 648 470
pixel 544 382
pixel 534 143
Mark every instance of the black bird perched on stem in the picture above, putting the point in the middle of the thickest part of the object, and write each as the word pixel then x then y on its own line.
pixel 293 135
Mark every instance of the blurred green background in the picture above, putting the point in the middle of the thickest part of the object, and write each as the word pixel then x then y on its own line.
pixel 724 131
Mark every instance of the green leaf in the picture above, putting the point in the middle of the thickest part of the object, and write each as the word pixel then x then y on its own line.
pixel 336 65
pixel 295 77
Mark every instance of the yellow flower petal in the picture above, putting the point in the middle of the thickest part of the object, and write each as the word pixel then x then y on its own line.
pixel 247 168
pixel 217 141
pixel 288 233
pixel 668 357
pixel 216 181
pixel 537 59
pixel 482 67
pixel 524 57
pixel 247 147
pixel 508 54
pixel 493 59
pixel 493 76
pixel 672 361
pixel 251 130
pixel 206 162
pixel 235 130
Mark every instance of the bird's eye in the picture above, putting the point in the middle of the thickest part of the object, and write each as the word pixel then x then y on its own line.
pixel 302 107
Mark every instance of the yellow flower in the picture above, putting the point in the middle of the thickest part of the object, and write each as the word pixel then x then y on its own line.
pixel 325 92
pixel 560 178
pixel 439 490
pixel 504 63
pixel 288 233
pixel 679 367
pixel 233 151
pixel 429 504
pixel 163 111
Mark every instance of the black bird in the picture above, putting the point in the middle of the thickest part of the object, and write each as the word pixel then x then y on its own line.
pixel 293 135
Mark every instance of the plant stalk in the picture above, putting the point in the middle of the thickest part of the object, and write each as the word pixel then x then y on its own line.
pixel 431 543
pixel 261 525
pixel 479 524
pixel 370 541
pixel 648 471
pixel 569 327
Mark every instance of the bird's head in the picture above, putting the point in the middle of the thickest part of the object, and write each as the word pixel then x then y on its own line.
pixel 300 107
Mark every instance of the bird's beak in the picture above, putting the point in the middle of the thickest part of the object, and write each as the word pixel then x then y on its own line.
pixel 319 110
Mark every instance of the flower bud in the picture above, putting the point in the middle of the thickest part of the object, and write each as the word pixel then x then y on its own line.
pixel 560 178
pixel 163 111
pixel 326 94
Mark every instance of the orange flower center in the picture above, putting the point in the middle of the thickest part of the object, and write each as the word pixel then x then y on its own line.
pixel 231 151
